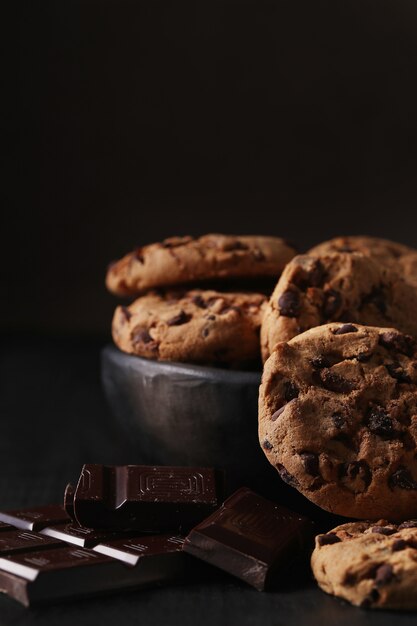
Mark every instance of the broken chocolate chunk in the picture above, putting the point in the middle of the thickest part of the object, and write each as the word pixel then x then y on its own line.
pixel 291 391
pixel 398 545
pixel 397 341
pixel 181 318
pixel 334 382
pixel 328 539
pixel 402 479
pixel 412 523
pixel 311 463
pixel 319 362
pixel 141 335
pixel 396 371
pixel 346 328
pixel 267 445
pixel 289 304
pixel 380 423
pixel 384 575
pixel 384 530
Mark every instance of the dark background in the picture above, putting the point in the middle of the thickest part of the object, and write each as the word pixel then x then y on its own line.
pixel 140 120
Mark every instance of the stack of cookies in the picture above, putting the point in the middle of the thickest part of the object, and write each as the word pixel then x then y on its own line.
pixel 338 410
pixel 197 300
pixel 338 399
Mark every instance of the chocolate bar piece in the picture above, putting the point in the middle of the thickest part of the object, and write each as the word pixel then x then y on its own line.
pixel 36 518
pixel 16 540
pixel 132 550
pixel 144 498
pixel 58 572
pixel 77 535
pixel 250 537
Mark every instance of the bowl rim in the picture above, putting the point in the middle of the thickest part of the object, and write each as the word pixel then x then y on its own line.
pixel 185 369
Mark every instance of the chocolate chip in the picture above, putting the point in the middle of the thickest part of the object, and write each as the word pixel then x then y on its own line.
pixel 356 469
pixel 205 332
pixel 127 314
pixel 258 255
pixel 328 539
pixel 141 335
pixel 286 476
pixel 334 382
pixel 402 479
pixel 373 597
pixel 289 303
pixel 210 317
pixel 178 320
pixel 397 341
pixel 311 463
pixel 235 245
pixel 346 328
pixel 276 415
pixel 398 545
pixel 363 357
pixel 338 420
pixel 396 371
pixel 319 362
pixel 384 575
pixel 199 301
pixel 333 303
pixel 291 391
pixel 267 445
pixel 139 255
pixel 412 523
pixel 380 423
pixel 377 298
pixel 384 530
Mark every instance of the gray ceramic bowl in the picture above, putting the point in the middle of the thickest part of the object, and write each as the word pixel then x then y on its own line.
pixel 180 414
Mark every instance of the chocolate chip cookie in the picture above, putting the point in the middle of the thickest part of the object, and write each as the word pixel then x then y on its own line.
pixel 370 564
pixel 338 419
pixel 205 327
pixel 185 260
pixel 351 287
pixel 396 255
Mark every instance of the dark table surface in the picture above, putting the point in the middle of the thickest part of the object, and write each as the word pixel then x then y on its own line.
pixel 54 419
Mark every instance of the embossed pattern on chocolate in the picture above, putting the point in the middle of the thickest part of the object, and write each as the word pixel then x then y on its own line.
pixel 250 537
pixel 147 498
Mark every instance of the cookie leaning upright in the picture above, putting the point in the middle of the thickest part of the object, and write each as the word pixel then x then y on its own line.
pixel 370 564
pixel 338 286
pixel 185 260
pixel 194 326
pixel 391 253
pixel 338 419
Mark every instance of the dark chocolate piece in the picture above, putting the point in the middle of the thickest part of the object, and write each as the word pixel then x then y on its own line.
pixel 36 518
pixel 250 537
pixel 145 498
pixel 132 550
pixel 78 535
pixel 16 540
pixel 58 572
